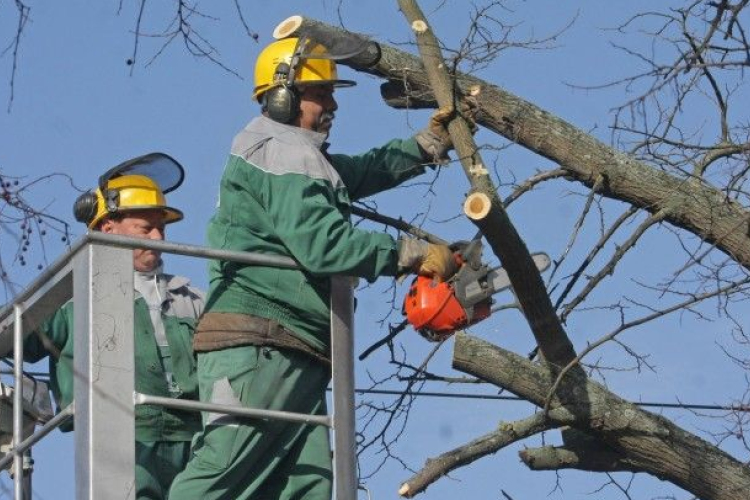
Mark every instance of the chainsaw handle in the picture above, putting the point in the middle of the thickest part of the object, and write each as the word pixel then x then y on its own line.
pixel 459 259
pixel 468 252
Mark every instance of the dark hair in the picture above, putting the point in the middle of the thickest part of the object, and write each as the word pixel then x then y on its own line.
pixel 114 216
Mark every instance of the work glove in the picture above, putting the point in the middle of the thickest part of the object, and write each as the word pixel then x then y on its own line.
pixel 434 139
pixel 426 259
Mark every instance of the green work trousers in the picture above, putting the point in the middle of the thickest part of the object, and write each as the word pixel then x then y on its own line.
pixel 254 459
pixel 156 465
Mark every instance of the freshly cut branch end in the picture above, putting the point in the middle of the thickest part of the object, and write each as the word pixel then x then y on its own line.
pixel 287 27
pixel 404 490
pixel 419 26
pixel 477 206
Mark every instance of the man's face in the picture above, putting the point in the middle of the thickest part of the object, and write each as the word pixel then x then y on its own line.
pixel 317 107
pixel 147 224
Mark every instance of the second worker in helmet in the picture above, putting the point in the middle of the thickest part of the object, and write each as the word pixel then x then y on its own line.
pixel 264 341
pixel 130 201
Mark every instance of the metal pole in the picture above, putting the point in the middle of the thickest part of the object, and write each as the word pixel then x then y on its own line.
pixel 193 250
pixel 28 468
pixel 50 426
pixel 18 401
pixel 342 357
pixel 239 411
pixel 104 373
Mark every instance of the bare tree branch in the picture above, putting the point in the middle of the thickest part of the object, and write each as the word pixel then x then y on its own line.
pixel 609 268
pixel 14 47
pixel 506 434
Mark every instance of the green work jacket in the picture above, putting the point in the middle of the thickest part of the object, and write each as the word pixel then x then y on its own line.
pixel 282 194
pixel 152 423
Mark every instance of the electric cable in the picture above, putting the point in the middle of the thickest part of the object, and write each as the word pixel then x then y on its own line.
pixel 497 397
pixel 500 397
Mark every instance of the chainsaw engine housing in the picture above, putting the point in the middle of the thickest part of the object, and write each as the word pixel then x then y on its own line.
pixel 431 306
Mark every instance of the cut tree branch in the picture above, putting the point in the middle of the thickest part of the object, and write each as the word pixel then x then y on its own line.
pixel 495 224
pixel 689 203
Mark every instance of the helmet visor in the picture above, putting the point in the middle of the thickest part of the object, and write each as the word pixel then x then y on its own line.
pixel 164 170
pixel 336 51
pixel 357 51
pixel 308 66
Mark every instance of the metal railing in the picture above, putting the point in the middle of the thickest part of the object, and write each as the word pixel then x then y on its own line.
pixel 97 275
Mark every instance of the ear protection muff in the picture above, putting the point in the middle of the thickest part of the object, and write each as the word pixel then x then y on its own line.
pixel 85 207
pixel 282 102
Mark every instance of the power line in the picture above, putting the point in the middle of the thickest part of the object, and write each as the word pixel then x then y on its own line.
pixel 500 397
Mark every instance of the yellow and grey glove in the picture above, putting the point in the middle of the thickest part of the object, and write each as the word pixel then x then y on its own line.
pixel 426 259
pixel 434 139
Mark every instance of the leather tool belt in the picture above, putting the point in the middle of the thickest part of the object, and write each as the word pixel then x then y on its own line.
pixel 218 331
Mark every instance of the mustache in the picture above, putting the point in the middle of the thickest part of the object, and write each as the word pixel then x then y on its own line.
pixel 327 116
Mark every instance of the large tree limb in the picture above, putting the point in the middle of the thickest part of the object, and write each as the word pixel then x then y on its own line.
pixel 689 204
pixel 650 442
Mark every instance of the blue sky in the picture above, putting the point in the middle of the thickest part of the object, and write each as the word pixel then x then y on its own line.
pixel 78 109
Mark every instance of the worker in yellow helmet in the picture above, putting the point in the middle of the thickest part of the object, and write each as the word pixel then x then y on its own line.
pixel 130 201
pixel 264 341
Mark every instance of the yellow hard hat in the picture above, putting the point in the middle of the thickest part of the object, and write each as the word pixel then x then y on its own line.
pixel 307 63
pixel 136 184
pixel 131 193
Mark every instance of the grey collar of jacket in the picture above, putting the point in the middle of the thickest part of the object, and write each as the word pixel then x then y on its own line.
pixel 171 282
pixel 263 124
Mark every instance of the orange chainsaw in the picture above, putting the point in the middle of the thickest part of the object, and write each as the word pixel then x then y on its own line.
pixel 436 309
